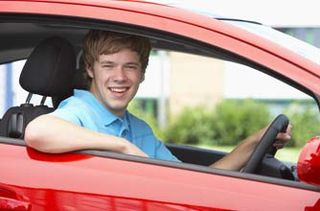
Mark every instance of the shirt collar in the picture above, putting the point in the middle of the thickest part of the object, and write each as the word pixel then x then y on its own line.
pixel 126 121
pixel 108 117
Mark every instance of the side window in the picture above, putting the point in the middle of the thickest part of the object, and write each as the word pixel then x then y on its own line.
pixel 213 103
pixel 271 98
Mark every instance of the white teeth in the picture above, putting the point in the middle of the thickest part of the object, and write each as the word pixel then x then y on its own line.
pixel 115 89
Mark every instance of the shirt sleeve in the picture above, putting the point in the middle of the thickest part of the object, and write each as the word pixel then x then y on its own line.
pixel 163 153
pixel 144 138
pixel 66 113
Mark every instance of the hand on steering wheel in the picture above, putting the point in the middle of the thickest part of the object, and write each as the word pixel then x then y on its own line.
pixel 267 144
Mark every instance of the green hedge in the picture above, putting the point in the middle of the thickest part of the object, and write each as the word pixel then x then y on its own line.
pixel 227 124
pixel 192 126
pixel 231 121
pixel 234 120
pixel 305 121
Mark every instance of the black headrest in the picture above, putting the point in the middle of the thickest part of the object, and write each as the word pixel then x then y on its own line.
pixel 79 80
pixel 50 68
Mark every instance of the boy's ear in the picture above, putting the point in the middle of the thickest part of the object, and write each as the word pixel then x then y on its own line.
pixel 89 71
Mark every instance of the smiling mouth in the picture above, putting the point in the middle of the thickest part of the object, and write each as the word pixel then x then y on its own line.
pixel 118 90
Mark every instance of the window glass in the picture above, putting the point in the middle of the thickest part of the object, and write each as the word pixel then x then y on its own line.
pixel 215 104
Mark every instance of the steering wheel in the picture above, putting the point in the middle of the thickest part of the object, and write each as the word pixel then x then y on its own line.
pixel 265 145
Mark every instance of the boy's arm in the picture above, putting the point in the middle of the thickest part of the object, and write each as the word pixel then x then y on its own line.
pixel 239 156
pixel 51 134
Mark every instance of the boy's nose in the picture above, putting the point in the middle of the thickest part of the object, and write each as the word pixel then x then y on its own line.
pixel 120 74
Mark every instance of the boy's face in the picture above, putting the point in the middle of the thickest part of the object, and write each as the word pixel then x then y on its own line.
pixel 116 79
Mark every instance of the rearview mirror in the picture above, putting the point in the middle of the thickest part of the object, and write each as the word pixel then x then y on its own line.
pixel 309 162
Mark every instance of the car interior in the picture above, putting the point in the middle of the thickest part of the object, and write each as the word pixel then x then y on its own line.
pixel 53 61
pixel 52 47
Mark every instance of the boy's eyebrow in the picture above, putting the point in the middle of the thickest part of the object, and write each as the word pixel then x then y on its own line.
pixel 128 63
pixel 106 62
pixel 133 63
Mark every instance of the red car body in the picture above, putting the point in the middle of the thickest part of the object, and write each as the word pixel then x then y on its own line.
pixel 30 180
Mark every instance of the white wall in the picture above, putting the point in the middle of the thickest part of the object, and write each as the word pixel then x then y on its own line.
pixel 246 82
pixel 156 83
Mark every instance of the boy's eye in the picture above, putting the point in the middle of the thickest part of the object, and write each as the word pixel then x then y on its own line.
pixel 107 66
pixel 131 67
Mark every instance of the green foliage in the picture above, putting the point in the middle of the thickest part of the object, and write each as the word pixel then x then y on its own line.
pixel 230 122
pixel 235 120
pixel 305 121
pixel 192 126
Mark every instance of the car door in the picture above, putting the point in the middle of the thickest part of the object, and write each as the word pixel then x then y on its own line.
pixel 120 182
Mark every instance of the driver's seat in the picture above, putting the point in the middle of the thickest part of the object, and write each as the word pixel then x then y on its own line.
pixel 48 71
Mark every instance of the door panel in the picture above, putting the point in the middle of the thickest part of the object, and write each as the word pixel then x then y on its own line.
pixel 76 180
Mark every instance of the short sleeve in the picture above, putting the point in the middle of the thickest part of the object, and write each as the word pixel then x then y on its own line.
pixel 144 138
pixel 66 114
pixel 163 153
pixel 67 110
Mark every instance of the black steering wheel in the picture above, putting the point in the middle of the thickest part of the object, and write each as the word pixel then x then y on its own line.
pixel 265 145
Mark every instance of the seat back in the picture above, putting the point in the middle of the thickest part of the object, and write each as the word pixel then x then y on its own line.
pixel 48 71
pixel 16 119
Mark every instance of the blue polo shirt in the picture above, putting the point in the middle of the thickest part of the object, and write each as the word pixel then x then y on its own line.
pixel 85 110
